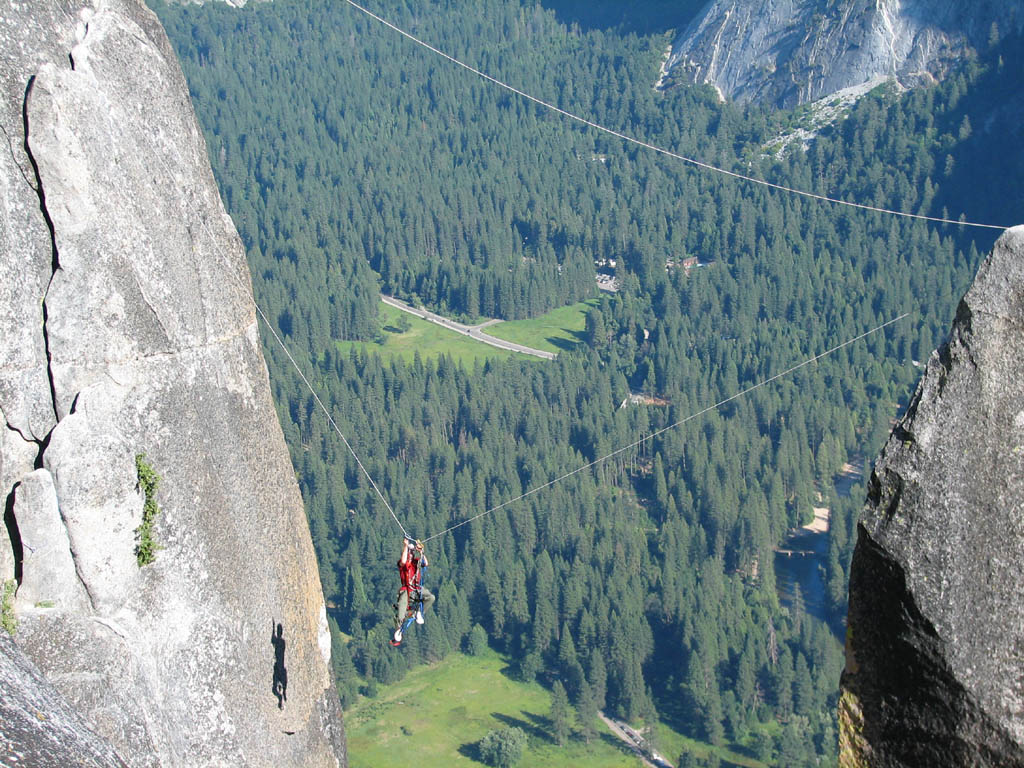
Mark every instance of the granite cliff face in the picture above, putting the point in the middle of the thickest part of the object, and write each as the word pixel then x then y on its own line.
pixel 788 52
pixel 935 646
pixel 37 725
pixel 129 328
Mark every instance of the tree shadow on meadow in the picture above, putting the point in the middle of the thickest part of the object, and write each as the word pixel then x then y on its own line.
pixel 530 728
pixel 472 751
pixel 566 344
pixel 539 721
pixel 617 744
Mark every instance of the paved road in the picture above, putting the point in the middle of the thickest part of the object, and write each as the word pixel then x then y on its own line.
pixel 473 331
pixel 632 739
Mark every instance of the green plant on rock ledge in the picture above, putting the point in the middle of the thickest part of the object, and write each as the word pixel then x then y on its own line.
pixel 7 620
pixel 148 480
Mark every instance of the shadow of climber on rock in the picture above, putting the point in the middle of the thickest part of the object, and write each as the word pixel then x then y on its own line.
pixel 280 687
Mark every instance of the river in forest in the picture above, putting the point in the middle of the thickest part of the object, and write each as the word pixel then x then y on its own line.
pixel 800 558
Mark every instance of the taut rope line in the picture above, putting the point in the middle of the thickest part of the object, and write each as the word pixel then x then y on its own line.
pixel 720 403
pixel 661 150
pixel 248 290
pixel 654 148
pixel 327 413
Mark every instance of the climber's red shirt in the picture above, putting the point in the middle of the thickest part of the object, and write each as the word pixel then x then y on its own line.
pixel 408 573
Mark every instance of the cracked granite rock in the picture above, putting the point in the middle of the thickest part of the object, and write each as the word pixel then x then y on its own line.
pixel 130 328
pixel 935 645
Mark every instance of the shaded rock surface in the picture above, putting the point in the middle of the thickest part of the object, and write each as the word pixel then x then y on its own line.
pixel 129 328
pixel 935 646
pixel 788 52
pixel 37 725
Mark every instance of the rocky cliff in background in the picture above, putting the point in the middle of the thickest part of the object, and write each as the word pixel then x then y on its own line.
pixel 935 643
pixel 129 328
pixel 783 53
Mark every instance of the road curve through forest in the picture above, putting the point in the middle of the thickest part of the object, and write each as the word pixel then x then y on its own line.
pixel 633 741
pixel 473 331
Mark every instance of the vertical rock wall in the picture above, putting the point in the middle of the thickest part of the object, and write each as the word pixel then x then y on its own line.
pixel 935 645
pixel 129 329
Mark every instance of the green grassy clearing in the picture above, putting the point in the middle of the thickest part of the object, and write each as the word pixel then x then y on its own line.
pixel 671 745
pixel 558 330
pixel 429 339
pixel 436 714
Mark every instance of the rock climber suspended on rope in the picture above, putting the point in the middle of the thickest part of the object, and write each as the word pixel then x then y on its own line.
pixel 413 597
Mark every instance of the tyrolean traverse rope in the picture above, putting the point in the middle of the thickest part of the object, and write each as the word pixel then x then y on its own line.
pixel 655 148
pixel 654 434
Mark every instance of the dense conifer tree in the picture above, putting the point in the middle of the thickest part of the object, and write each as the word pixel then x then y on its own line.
pixel 351 164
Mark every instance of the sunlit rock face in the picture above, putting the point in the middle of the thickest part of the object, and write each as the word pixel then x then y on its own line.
pixel 783 53
pixel 935 647
pixel 129 328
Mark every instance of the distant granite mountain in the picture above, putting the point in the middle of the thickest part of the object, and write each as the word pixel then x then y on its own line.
pixel 783 53
pixel 935 640
pixel 129 329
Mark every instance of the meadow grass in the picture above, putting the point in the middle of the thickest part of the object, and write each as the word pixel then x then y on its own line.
pixel 558 330
pixel 671 744
pixel 429 339
pixel 436 714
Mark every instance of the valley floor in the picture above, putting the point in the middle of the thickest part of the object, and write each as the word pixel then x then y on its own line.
pixel 473 331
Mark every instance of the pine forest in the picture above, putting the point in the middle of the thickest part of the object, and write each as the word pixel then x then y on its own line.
pixel 356 163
